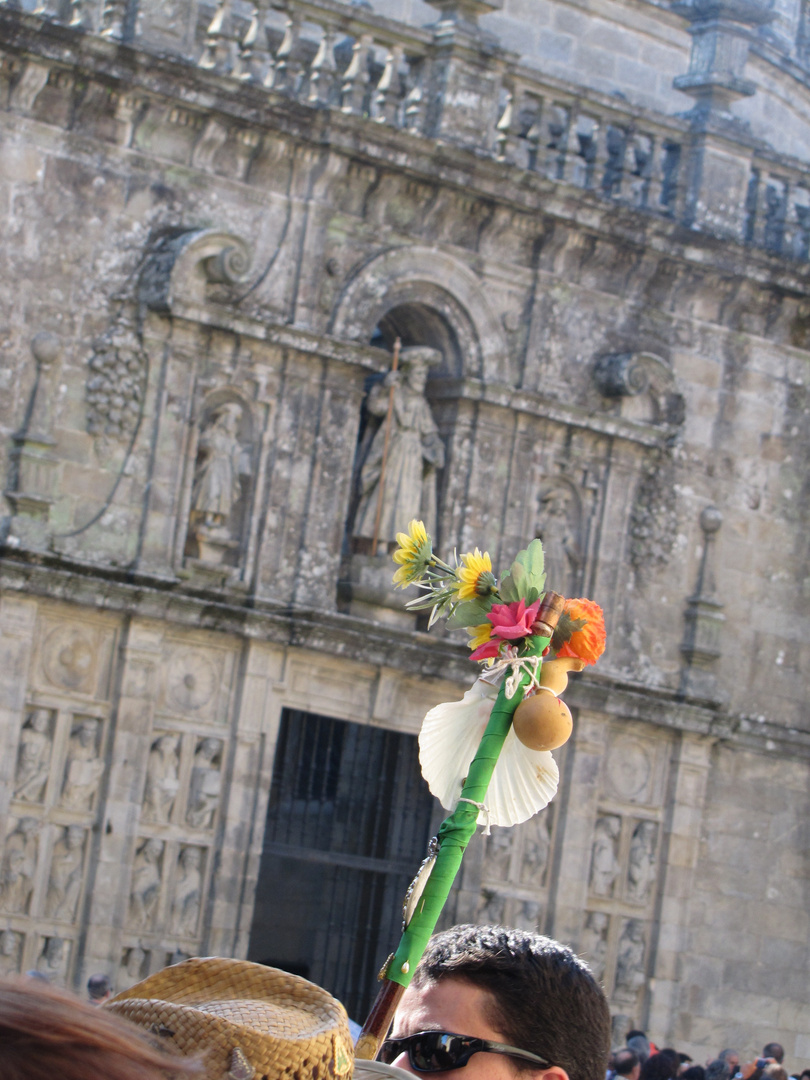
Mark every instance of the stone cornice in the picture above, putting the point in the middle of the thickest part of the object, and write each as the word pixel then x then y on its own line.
pixel 338 635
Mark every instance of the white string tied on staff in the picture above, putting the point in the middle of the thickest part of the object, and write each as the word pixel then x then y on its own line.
pixel 517 666
pixel 484 810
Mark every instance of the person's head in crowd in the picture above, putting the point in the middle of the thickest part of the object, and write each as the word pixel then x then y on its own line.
pixel 718 1070
pixel 511 987
pixel 99 989
pixel 627 1064
pixel 694 1072
pixel 638 1041
pixel 47 1033
pixel 774 1050
pixel 774 1072
pixel 661 1066
pixel 731 1058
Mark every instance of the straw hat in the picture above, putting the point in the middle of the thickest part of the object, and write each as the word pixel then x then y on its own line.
pixel 249 1021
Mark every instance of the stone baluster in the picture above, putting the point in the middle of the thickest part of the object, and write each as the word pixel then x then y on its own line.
pixel 414 109
pixel 583 151
pixel 287 74
pixel 519 118
pixel 387 98
pixel 113 18
pixel 638 163
pixel 220 46
pixel 50 9
pixel 611 161
pixel 255 63
pixel 323 72
pixel 355 77
pixel 553 148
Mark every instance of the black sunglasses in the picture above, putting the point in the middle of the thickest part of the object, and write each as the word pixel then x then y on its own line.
pixel 441 1051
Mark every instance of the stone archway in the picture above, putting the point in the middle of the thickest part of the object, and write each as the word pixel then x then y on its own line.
pixel 424 293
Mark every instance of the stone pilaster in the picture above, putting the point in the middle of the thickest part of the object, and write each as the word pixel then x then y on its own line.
pixel 704 619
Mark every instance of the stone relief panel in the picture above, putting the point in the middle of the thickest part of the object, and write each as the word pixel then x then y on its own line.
pixel 630 960
pixel 133 967
pixel 19 865
pixel 594 942
pixel 34 755
pixel 641 862
pixel 605 864
pixel 206 780
pixel 10 951
pixel 194 681
pixel 84 765
pixel 146 884
pixel 75 658
pixel 632 773
pixel 53 960
pixel 66 875
pixel 514 873
pixel 187 902
pixel 559 524
pixel 162 779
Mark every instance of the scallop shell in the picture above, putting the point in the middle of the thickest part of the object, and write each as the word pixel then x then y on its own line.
pixel 523 781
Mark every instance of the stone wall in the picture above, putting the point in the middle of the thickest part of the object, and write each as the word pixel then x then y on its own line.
pixel 205 269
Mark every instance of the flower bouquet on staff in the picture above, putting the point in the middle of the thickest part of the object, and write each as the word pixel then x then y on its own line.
pixel 487 757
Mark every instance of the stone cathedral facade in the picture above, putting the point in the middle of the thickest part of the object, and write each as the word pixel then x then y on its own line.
pixel 217 218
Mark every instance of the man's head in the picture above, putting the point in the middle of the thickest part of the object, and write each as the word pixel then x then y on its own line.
pixel 514 987
pixel 99 989
pixel 731 1058
pixel 627 1063
pixel 774 1050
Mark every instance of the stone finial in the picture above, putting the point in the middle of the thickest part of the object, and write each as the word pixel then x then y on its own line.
pixel 704 619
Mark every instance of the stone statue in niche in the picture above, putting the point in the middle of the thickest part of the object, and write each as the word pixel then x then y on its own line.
pixel 558 527
pixel 594 943
pixel 9 953
pixel 203 797
pixel 641 862
pixel 498 856
pixel 84 767
pixel 65 881
pixel 536 844
pixel 18 866
pixel 34 756
pixel 188 894
pixel 529 915
pixel 215 526
pixel 146 883
pixel 53 960
pixel 415 452
pixel 630 957
pixel 491 907
pixel 133 966
pixel 161 779
pixel 177 957
pixel 604 860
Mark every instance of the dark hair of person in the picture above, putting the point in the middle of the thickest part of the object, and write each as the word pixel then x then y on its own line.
pixel 694 1072
pixel 660 1067
pixel 718 1070
pixel 47 1033
pixel 724 1055
pixel 774 1072
pixel 634 1034
pixel 625 1061
pixel 98 986
pixel 774 1050
pixel 544 998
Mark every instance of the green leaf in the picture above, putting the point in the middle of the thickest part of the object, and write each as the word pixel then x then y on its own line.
pixel 469 613
pixel 526 576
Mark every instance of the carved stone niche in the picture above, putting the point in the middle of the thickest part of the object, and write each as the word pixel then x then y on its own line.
pixel 645 385
pixel 559 524
pixel 221 484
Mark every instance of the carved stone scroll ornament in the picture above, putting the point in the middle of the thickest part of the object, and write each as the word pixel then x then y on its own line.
pixel 188 893
pixel 641 375
pixel 414 453
pixel 67 871
pixel 9 953
pixel 18 866
pixel 83 767
pixel 630 958
pixel 203 797
pixel 146 884
pixel 593 948
pixel 162 780
pixel 34 756
pixel 604 860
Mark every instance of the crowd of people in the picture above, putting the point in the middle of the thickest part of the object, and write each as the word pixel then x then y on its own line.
pixel 640 1059
pixel 499 1003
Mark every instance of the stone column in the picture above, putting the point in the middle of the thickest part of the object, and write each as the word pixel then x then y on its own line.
pixel 34 465
pixel 704 620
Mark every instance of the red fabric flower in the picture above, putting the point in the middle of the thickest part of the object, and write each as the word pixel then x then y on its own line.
pixel 488 650
pixel 512 621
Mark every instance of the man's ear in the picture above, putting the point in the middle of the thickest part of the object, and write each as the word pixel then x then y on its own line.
pixel 555 1072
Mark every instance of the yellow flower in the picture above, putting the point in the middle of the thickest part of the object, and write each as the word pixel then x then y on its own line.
pixel 479 635
pixel 414 554
pixel 475 575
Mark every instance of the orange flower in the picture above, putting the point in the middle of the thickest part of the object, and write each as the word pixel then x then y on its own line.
pixel 588 642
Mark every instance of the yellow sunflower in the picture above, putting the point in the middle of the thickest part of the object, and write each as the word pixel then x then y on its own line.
pixel 414 554
pixel 475 575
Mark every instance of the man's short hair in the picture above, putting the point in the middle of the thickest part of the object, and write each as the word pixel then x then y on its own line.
pixel 98 987
pixel 625 1061
pixel 774 1050
pixel 544 998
